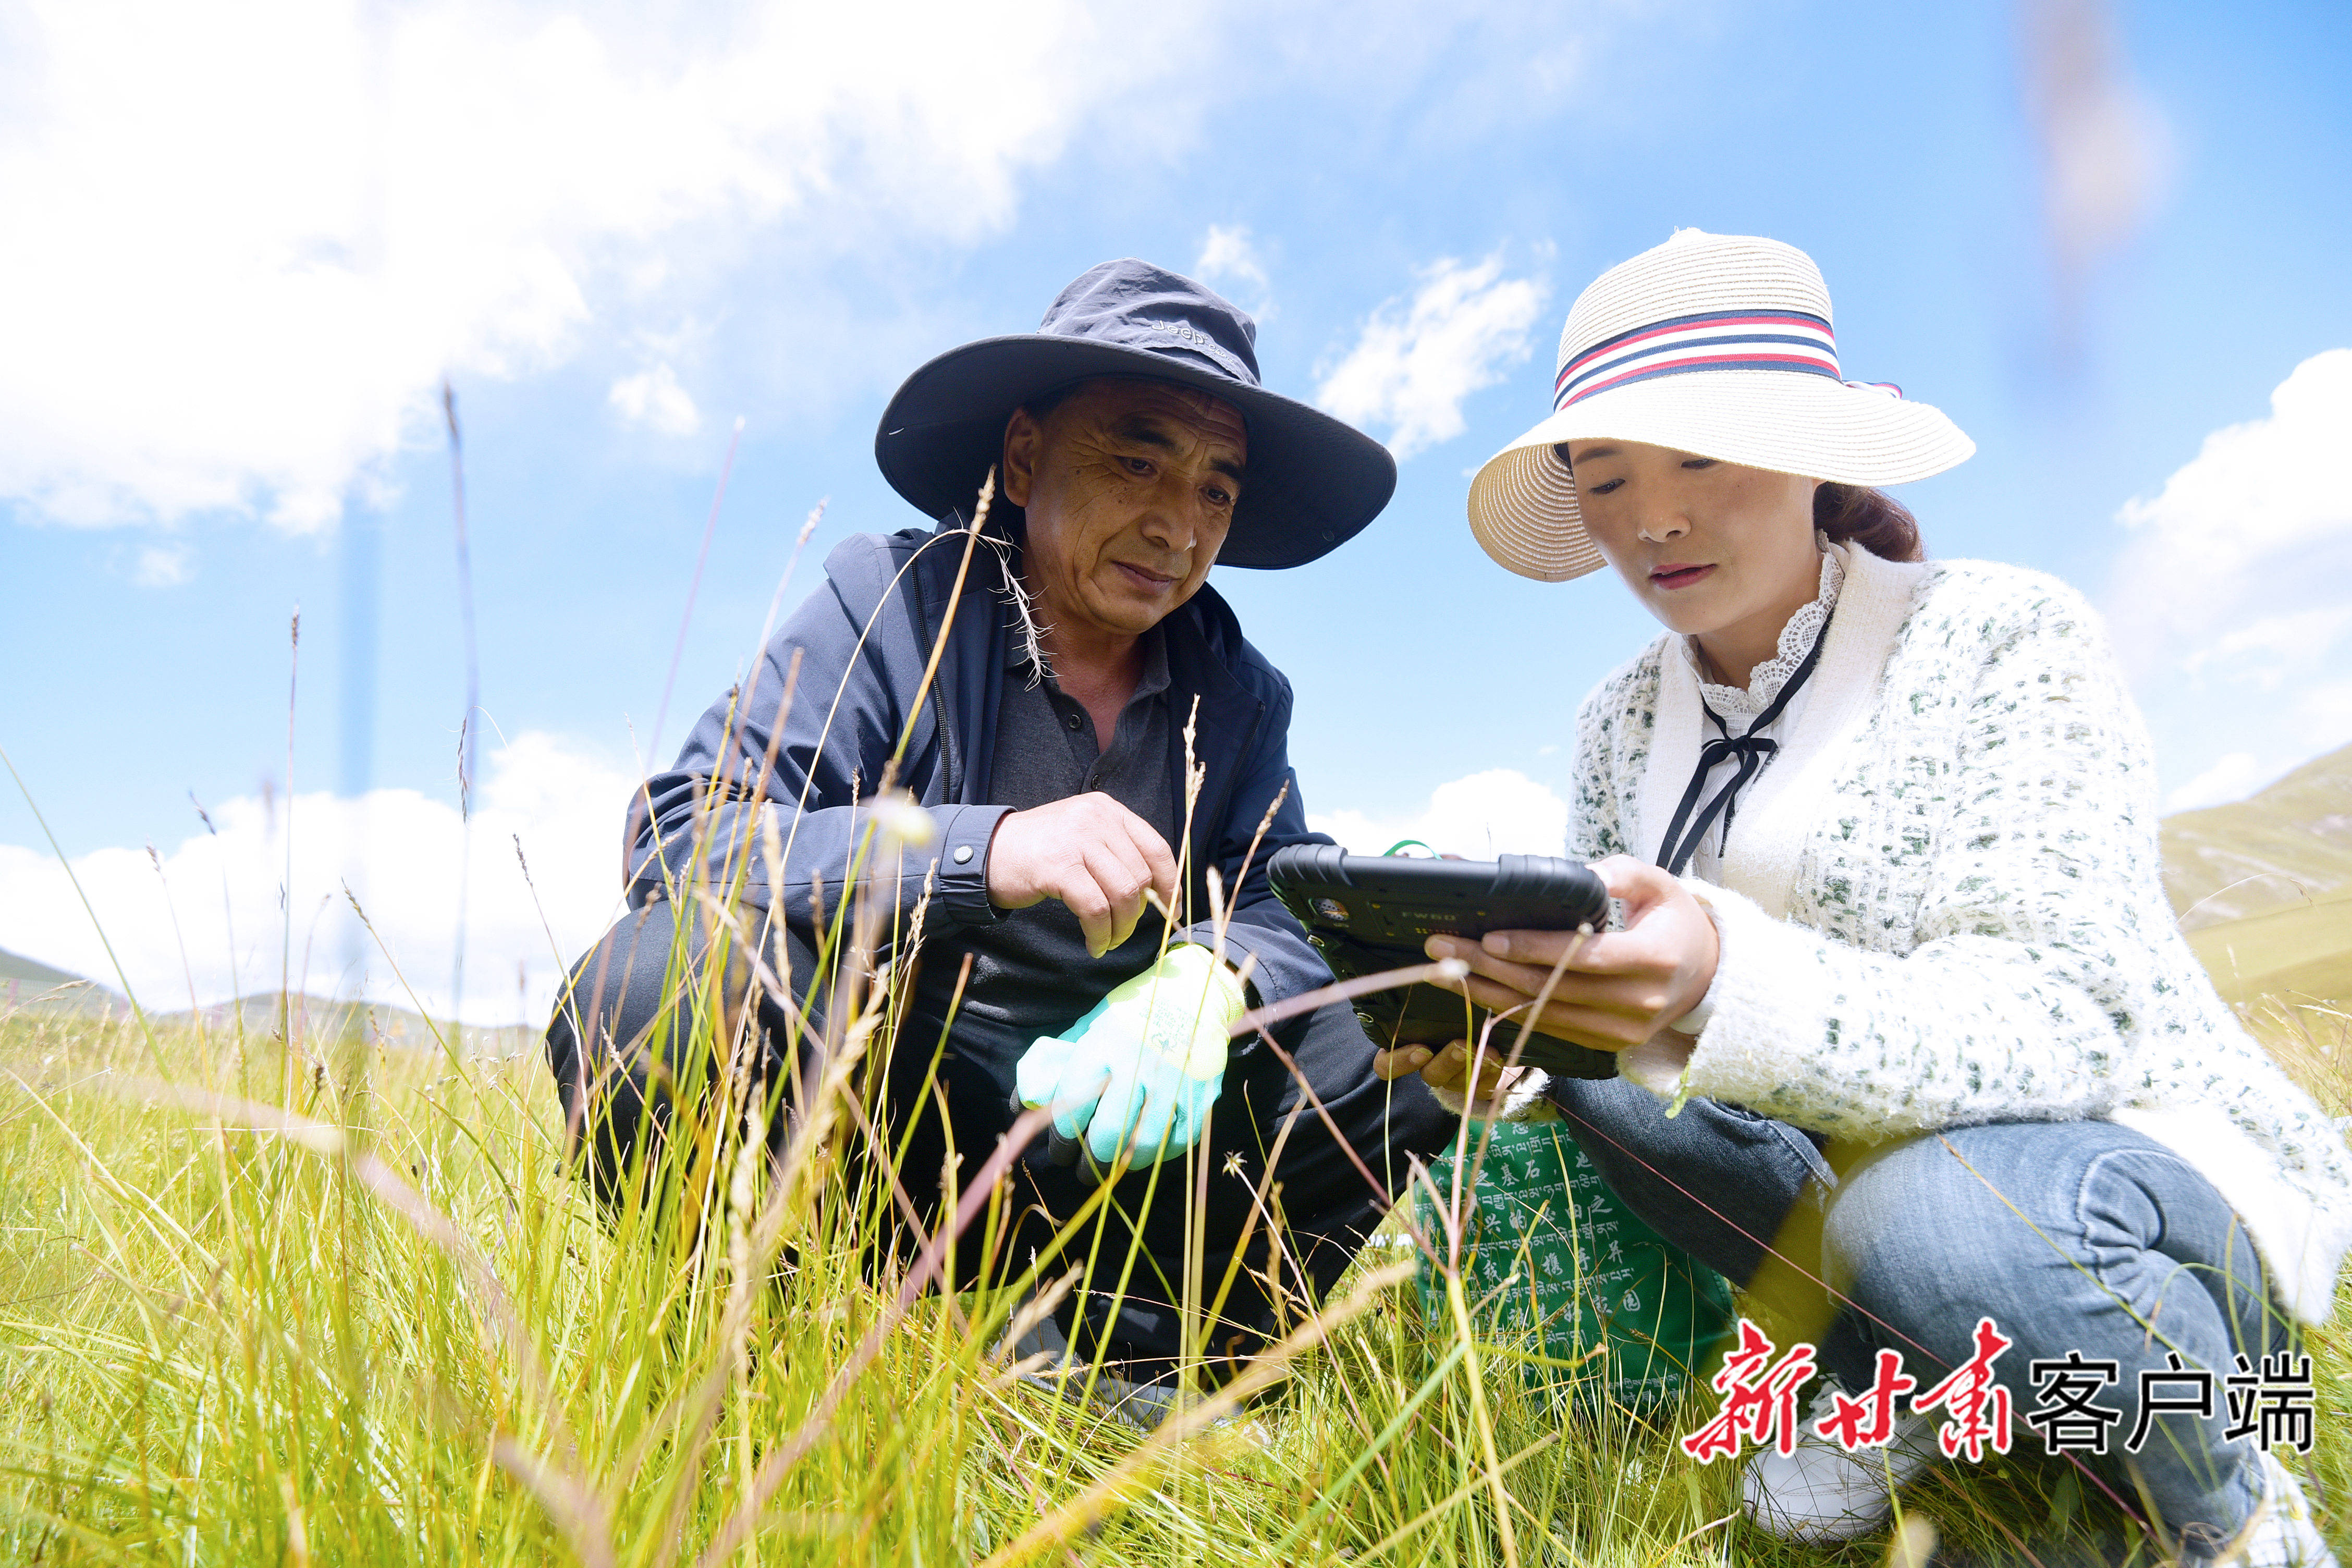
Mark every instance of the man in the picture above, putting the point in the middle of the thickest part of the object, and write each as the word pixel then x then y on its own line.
pixel 1135 448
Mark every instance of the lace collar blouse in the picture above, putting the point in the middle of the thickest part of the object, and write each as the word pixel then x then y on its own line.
pixel 1738 706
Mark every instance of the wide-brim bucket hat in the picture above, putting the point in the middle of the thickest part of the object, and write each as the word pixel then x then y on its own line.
pixel 1312 484
pixel 1718 345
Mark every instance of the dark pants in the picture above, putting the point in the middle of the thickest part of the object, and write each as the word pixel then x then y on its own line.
pixel 639 1024
pixel 2071 1235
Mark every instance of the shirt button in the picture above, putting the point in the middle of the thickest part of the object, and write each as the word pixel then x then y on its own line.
pixel 1071 719
pixel 964 854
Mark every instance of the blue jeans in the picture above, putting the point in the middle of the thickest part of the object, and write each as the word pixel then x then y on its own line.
pixel 2071 1235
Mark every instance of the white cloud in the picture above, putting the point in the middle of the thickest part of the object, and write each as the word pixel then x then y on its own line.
pixel 1419 358
pixel 654 399
pixel 244 244
pixel 224 891
pixel 2322 716
pixel 162 566
pixel 1498 811
pixel 1230 256
pixel 2258 524
pixel 2270 647
pixel 2232 777
pixel 2232 601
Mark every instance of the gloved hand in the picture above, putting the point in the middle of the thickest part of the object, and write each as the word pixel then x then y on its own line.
pixel 1145 1066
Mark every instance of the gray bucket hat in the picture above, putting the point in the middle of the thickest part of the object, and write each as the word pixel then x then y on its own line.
pixel 1314 482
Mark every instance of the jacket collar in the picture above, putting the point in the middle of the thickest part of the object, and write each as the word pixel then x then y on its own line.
pixel 1224 727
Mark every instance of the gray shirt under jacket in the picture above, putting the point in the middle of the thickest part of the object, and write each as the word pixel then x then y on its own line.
pixel 1031 972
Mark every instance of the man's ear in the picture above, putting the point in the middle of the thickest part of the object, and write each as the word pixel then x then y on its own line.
pixel 1023 435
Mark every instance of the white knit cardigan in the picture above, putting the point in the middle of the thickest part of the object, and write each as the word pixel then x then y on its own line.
pixel 1942 903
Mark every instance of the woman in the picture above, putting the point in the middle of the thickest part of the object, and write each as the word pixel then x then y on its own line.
pixel 1885 833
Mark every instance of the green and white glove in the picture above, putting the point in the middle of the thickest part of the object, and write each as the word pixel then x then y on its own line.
pixel 1141 1070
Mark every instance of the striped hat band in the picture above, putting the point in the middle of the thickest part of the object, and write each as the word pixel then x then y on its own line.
pixel 1712 340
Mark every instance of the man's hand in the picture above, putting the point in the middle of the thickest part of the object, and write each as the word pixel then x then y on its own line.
pixel 1617 989
pixel 1090 852
pixel 1141 1070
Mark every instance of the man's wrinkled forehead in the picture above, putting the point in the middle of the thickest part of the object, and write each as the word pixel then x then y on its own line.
pixel 1164 413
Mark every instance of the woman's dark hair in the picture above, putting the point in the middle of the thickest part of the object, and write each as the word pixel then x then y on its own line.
pixel 1855 514
pixel 1850 514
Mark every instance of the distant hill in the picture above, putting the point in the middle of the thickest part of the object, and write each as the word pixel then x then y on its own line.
pixel 14 966
pixel 30 987
pixel 36 988
pixel 318 1019
pixel 2303 951
pixel 2281 846
pixel 2263 887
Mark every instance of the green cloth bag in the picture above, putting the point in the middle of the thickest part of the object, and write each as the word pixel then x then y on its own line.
pixel 1554 1263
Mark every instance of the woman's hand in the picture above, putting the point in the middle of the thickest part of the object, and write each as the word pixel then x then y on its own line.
pixel 1617 989
pixel 1449 1068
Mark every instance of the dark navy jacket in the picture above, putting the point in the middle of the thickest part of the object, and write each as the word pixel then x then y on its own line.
pixel 850 704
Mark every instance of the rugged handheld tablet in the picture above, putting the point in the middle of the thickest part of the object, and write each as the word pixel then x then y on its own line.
pixel 1366 913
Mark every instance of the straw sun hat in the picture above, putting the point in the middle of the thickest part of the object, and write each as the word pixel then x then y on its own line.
pixel 1719 345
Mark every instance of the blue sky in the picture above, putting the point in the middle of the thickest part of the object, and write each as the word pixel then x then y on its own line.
pixel 248 252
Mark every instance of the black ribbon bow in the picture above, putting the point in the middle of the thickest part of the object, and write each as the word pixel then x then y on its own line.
pixel 1751 749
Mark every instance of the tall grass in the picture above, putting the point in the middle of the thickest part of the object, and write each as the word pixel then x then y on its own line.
pixel 262 1307
pixel 382 1323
